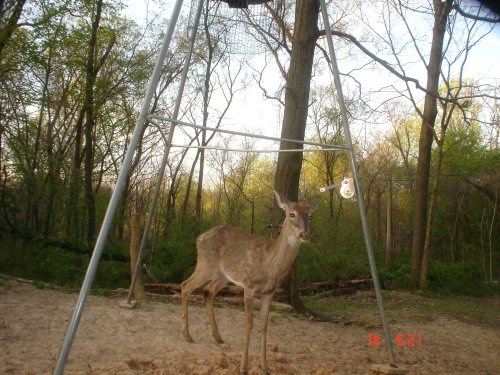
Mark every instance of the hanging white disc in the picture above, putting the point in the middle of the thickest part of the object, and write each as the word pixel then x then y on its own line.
pixel 347 189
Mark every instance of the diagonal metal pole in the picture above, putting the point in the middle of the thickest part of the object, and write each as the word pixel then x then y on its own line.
pixel 115 197
pixel 364 222
pixel 168 146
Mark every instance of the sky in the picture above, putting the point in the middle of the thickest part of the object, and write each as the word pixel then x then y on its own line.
pixel 251 112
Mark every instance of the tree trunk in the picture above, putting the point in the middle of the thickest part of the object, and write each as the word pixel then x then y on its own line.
pixel 441 13
pixel 135 243
pixel 73 212
pixel 295 116
pixel 494 206
pixel 430 218
pixel 189 184
pixel 206 100
pixel 9 16
pixel 389 248
pixel 89 106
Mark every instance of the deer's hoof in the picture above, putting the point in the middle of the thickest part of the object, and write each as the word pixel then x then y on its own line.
pixel 188 339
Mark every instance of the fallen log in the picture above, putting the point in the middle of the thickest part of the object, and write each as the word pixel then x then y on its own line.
pixel 230 290
pixel 318 289
pixel 335 292
pixel 198 298
pixel 363 284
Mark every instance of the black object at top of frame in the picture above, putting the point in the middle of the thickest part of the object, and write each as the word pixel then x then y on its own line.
pixel 243 4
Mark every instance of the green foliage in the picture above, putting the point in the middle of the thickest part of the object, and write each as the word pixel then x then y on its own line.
pixel 174 260
pixel 399 272
pixel 314 265
pixel 459 279
pixel 112 274
pixel 32 259
pixel 42 260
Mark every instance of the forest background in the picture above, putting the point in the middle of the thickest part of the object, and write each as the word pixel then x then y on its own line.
pixel 73 75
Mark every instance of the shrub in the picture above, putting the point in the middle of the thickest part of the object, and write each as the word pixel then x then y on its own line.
pixel 314 265
pixel 458 279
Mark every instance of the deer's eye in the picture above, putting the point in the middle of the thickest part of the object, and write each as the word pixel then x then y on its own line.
pixel 310 217
pixel 292 215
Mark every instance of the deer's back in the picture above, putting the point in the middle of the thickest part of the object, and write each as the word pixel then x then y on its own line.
pixel 234 252
pixel 226 240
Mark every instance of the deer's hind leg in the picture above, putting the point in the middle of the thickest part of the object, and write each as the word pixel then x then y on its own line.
pixel 199 278
pixel 217 283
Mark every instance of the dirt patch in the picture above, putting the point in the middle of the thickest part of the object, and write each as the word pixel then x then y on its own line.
pixel 147 340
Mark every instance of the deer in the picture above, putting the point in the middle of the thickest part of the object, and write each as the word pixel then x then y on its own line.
pixel 257 264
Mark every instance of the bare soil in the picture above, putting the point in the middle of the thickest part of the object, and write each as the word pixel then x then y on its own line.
pixel 147 340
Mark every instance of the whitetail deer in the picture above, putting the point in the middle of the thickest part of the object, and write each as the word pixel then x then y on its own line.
pixel 255 263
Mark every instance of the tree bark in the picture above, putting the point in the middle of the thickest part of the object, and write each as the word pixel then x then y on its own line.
pixel 424 282
pixel 9 16
pixel 441 13
pixel 89 107
pixel 206 101
pixel 72 212
pixel 389 248
pixel 295 116
pixel 135 242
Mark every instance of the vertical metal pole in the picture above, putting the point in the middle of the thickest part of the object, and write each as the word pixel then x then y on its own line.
pixel 113 203
pixel 364 222
pixel 161 173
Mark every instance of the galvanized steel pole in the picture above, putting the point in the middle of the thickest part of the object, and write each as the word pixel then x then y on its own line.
pixel 168 146
pixel 359 192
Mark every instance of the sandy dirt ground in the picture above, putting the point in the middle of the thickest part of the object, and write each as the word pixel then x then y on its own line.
pixel 147 340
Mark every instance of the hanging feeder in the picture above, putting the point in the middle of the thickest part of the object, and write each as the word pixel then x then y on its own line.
pixel 347 189
pixel 237 24
pixel 243 4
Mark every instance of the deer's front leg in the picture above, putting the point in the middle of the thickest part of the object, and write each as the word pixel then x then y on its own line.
pixel 248 297
pixel 265 303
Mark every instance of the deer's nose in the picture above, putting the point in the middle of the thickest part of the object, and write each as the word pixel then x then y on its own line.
pixel 305 236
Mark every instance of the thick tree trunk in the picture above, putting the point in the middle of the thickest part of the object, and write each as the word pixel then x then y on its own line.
pixel 295 115
pixel 441 13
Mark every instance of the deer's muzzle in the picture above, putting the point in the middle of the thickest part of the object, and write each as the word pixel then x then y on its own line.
pixel 305 237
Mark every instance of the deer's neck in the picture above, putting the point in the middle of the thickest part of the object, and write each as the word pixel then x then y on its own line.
pixel 286 250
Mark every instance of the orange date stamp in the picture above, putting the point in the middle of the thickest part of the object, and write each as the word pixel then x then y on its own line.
pixel 409 340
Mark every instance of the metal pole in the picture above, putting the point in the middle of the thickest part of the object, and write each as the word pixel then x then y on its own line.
pixel 251 135
pixel 161 173
pixel 364 222
pixel 113 203
pixel 248 151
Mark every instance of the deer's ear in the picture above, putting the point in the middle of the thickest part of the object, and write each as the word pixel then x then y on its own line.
pixel 281 199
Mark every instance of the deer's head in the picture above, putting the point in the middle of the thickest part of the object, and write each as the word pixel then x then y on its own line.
pixel 298 217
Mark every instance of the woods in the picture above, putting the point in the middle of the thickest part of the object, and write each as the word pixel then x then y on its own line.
pixel 73 75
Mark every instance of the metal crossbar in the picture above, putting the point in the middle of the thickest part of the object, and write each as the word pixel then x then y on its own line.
pixel 256 151
pixel 325 146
